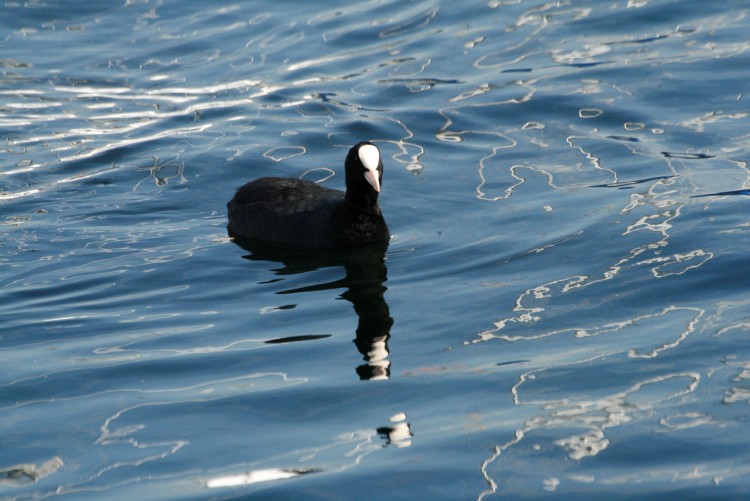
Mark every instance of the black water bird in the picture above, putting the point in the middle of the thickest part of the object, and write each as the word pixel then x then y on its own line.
pixel 302 213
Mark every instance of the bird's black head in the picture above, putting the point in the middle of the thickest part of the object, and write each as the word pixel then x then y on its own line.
pixel 364 172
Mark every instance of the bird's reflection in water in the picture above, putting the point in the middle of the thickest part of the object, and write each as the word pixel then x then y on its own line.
pixel 366 274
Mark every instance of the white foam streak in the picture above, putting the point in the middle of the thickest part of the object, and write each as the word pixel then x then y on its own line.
pixel 252 477
pixel 127 142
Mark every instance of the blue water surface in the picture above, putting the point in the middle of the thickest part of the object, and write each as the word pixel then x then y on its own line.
pixel 562 310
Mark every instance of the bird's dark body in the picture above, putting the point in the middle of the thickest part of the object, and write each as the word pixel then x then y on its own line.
pixel 302 213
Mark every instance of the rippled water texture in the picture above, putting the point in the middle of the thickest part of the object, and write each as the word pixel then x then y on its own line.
pixel 562 310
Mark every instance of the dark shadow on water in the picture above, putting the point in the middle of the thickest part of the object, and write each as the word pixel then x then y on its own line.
pixel 724 194
pixel 686 156
pixel 626 185
pixel 366 275
pixel 296 339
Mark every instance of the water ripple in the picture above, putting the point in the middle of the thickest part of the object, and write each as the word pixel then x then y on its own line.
pixel 566 183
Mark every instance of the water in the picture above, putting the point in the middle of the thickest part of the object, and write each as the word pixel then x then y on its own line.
pixel 562 309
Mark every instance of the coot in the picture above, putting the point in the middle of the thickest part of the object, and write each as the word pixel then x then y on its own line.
pixel 303 213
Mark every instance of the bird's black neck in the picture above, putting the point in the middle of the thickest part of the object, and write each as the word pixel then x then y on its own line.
pixel 363 202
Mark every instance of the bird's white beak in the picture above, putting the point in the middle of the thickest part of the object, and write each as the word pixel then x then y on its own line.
pixel 372 178
pixel 369 155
